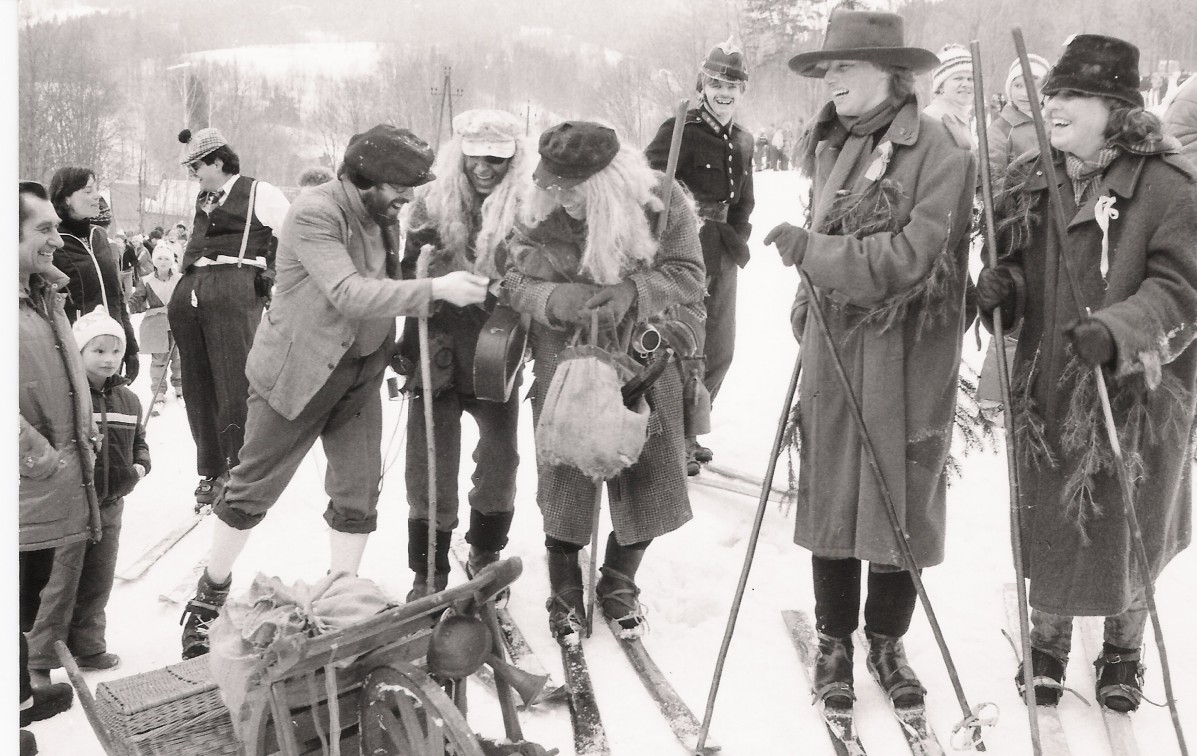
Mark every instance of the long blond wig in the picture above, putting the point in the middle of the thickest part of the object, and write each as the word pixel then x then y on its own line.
pixel 450 203
pixel 619 239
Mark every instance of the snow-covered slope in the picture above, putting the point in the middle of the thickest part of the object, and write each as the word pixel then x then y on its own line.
pixel 688 578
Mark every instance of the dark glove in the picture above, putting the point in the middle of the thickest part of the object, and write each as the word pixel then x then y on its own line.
pixel 995 288
pixel 1091 341
pixel 132 366
pixel 565 303
pixel 612 302
pixel 264 285
pixel 791 243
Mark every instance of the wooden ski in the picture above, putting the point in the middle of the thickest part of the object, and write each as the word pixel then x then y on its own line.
pixel 911 719
pixel 1120 727
pixel 1051 729
pixel 839 721
pixel 159 549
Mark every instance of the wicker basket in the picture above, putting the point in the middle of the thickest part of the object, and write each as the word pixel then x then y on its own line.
pixel 173 711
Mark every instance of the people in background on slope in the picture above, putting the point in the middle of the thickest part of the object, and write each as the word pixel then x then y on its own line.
pixel 151 296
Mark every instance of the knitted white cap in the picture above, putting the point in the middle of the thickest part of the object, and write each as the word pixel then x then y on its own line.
pixel 97 323
pixel 1039 68
pixel 952 58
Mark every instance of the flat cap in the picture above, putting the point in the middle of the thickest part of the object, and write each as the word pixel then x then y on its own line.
pixel 488 132
pixel 387 154
pixel 572 152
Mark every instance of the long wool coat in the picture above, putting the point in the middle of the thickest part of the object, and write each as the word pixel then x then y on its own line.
pixel 649 498
pixel 891 281
pixel 1075 533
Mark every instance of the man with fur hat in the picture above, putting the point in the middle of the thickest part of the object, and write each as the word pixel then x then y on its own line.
pixel 1130 256
pixel 715 164
pixel 317 362
pixel 952 94
pixel 885 246
pixel 585 249
pixel 227 272
pixel 463 220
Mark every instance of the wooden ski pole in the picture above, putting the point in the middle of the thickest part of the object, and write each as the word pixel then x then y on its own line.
pixel 1060 223
pixel 595 512
pixel 675 148
pixel 973 719
pixel 753 537
pixel 429 431
pixel 160 387
pixel 1024 621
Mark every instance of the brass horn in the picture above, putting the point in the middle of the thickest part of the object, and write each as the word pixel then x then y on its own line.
pixel 526 684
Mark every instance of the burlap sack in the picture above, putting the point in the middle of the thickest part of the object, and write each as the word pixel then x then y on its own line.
pixel 583 422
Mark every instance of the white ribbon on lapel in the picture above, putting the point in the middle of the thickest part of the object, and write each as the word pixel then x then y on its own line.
pixel 876 169
pixel 1104 211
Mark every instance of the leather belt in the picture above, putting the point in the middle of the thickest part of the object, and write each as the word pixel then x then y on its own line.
pixel 257 262
pixel 714 211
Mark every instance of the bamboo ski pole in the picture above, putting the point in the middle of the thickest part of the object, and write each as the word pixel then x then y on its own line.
pixel 1024 621
pixel 1060 223
pixel 429 431
pixel 594 515
pixel 973 719
pixel 160 387
pixel 753 537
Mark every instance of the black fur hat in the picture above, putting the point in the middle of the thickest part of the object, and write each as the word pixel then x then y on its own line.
pixel 1098 66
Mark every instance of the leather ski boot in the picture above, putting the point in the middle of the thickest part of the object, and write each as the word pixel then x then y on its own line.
pixel 1048 672
pixel 833 672
pixel 616 590
pixel 888 665
pixel 1119 678
pixel 487 537
pixel 566 604
pixel 209 490
pixel 199 614
pixel 417 559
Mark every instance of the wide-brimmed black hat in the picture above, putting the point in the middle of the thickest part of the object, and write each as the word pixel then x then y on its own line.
pixel 1099 66
pixel 864 35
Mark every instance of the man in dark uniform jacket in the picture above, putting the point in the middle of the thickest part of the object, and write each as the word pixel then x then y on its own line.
pixel 715 164
pixel 227 275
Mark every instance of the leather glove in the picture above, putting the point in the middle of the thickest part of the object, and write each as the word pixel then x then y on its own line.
pixel 995 288
pixel 1091 341
pixel 264 285
pixel 132 366
pixel 565 303
pixel 791 243
pixel 612 302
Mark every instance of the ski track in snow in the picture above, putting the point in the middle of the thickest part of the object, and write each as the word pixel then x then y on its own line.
pixel 688 578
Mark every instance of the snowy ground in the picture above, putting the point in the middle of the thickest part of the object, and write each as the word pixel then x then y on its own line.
pixel 688 579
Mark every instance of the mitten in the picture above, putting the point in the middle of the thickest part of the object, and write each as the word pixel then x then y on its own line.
pixel 132 366
pixel 612 302
pixel 995 288
pixel 1091 341
pixel 565 303
pixel 791 243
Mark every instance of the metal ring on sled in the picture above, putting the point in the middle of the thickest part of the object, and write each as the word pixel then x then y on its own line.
pixel 403 712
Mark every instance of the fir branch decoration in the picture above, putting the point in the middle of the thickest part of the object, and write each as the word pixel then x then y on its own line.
pixel 791 444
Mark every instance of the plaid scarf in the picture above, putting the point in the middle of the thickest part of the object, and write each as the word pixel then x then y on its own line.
pixel 1085 175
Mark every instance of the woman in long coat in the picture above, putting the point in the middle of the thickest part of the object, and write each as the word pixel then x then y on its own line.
pixel 1131 250
pixel 583 244
pixel 886 249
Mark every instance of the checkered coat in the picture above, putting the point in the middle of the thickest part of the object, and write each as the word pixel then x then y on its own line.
pixel 649 498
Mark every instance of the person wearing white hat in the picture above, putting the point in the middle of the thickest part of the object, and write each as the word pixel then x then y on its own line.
pixel 952 94
pixel 464 217
pixel 227 275
pixel 151 296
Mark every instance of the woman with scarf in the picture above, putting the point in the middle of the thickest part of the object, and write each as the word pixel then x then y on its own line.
pixel 886 248
pixel 1130 257
pixel 464 216
pixel 584 244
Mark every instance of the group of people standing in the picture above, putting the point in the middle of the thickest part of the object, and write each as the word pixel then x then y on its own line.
pixel 585 237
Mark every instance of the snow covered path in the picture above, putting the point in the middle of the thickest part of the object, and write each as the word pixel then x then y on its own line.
pixel 688 578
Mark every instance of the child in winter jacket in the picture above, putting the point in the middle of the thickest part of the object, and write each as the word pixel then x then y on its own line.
pixel 151 295
pixel 73 602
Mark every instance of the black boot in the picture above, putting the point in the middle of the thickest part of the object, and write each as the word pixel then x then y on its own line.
pixel 566 604
pixel 616 590
pixel 887 663
pixel 1048 672
pixel 199 614
pixel 487 537
pixel 1119 678
pixel 417 559
pixel 833 672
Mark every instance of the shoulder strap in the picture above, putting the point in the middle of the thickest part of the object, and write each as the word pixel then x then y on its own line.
pixel 249 217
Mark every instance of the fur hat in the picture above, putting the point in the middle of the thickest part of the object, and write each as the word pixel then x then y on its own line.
pixel 572 152
pixel 97 323
pixel 1097 66
pixel 387 154
pixel 487 132
pixel 952 59
pixel 725 62
pixel 871 36
pixel 200 144
pixel 1039 68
